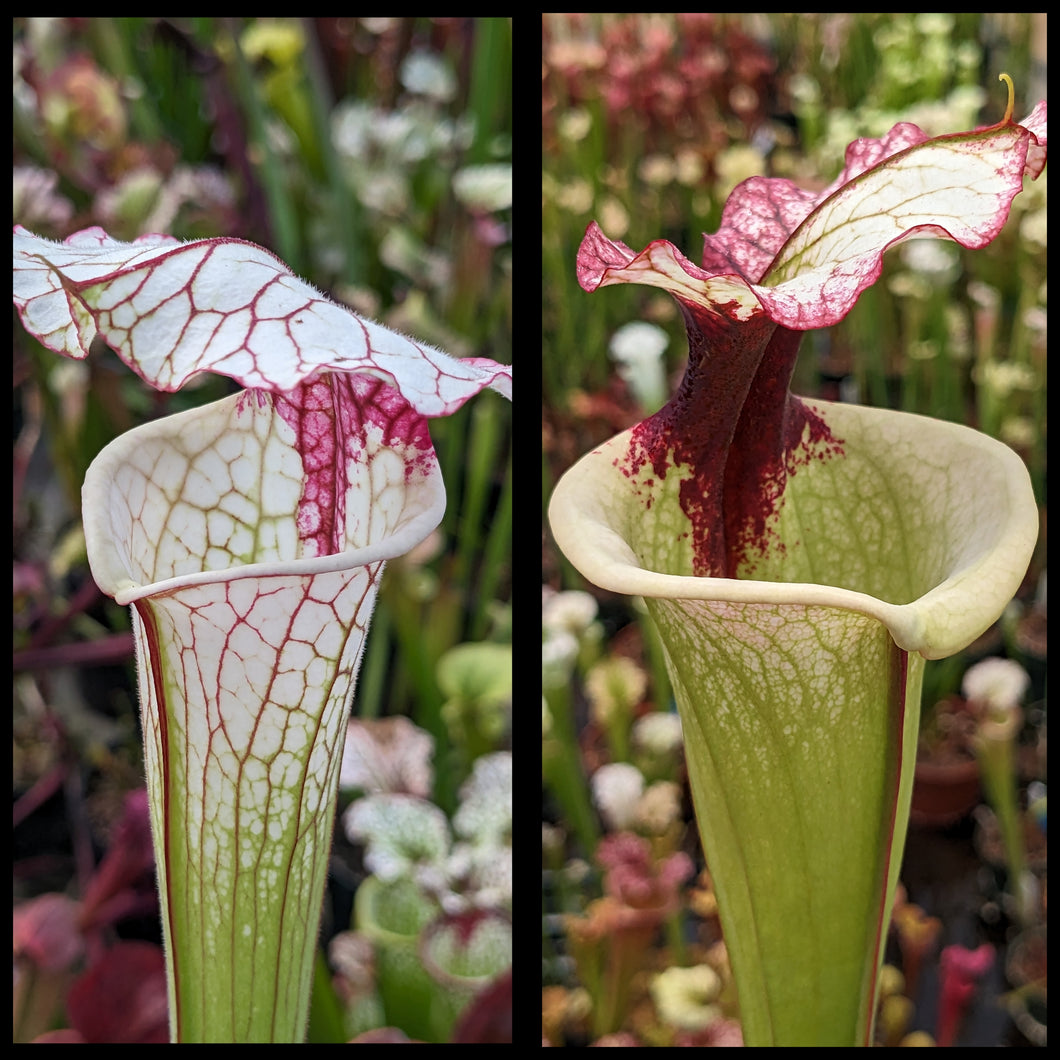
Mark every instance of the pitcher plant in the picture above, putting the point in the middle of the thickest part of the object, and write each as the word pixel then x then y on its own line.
pixel 802 559
pixel 249 537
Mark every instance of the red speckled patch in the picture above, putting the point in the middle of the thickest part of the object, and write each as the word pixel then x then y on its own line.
pixel 734 422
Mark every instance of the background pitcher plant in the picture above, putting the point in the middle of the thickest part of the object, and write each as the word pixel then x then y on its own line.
pixel 801 559
pixel 249 537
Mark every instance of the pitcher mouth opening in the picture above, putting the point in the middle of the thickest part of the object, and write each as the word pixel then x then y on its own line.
pixel 112 575
pixel 970 563
pixel 123 555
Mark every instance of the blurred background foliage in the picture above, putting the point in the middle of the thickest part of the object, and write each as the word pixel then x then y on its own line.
pixel 372 155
